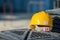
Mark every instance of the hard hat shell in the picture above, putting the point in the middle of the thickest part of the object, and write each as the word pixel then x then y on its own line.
pixel 41 18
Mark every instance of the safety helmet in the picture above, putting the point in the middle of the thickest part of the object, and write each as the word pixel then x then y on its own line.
pixel 41 19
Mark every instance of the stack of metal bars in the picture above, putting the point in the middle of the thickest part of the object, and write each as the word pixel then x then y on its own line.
pixel 18 34
pixel 56 24
pixel 43 36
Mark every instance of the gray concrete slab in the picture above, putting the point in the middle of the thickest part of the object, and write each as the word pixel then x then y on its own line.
pixel 14 21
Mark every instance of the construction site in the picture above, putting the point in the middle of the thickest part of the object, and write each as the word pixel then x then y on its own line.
pixel 29 19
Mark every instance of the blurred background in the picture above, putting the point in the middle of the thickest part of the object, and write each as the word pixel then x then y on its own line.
pixel 16 14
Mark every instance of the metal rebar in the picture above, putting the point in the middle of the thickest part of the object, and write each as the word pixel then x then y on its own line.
pixel 57 3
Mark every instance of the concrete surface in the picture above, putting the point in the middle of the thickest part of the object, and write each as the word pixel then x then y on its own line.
pixel 14 21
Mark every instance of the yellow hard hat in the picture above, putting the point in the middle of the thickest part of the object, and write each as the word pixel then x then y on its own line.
pixel 41 19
